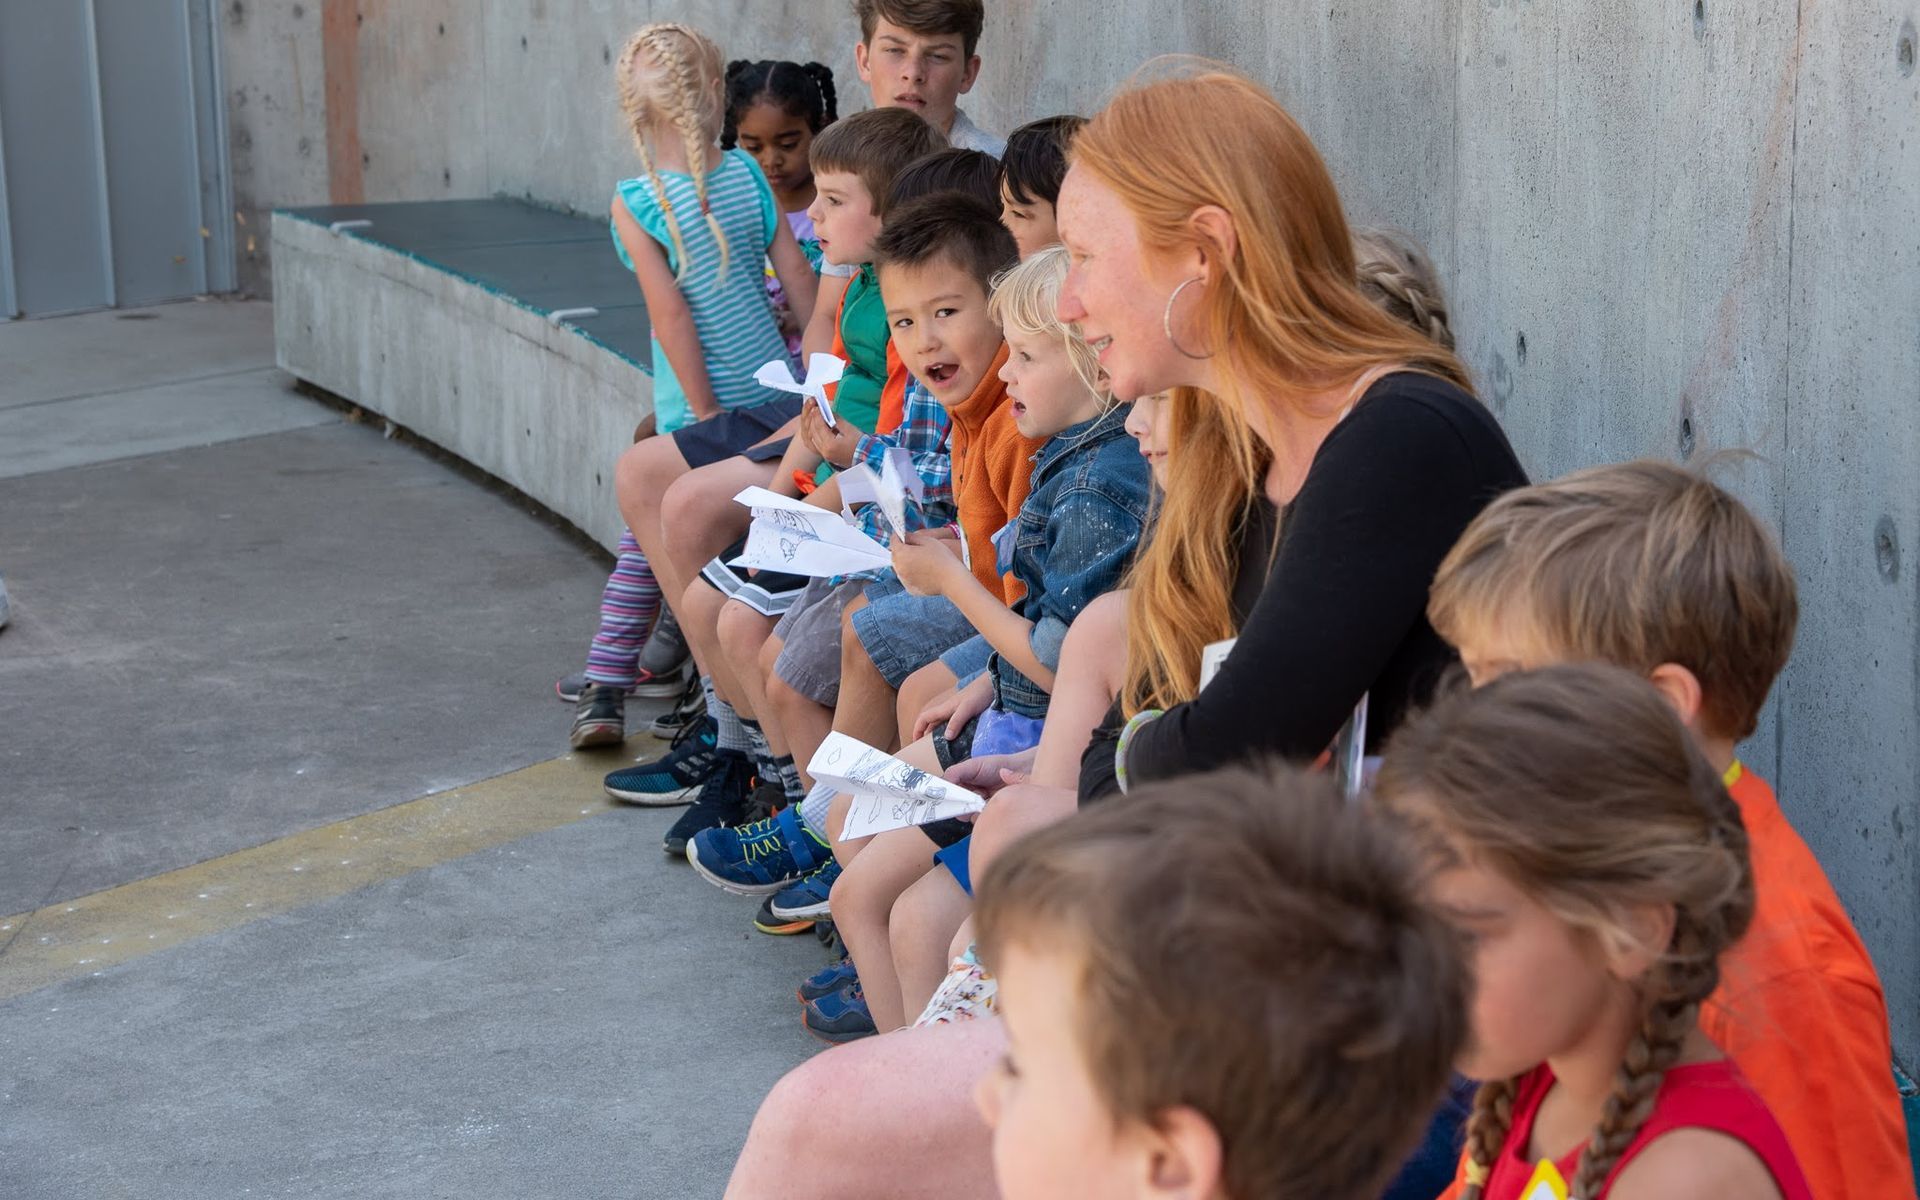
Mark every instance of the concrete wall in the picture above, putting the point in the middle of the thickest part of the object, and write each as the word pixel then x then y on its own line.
pixel 1669 228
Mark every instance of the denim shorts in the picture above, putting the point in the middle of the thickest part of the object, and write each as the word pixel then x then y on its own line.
pixel 809 661
pixel 903 632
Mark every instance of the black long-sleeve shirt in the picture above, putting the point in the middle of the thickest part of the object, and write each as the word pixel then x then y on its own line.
pixel 1342 612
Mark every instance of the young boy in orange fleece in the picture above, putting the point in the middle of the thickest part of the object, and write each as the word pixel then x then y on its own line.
pixel 937 257
pixel 1652 567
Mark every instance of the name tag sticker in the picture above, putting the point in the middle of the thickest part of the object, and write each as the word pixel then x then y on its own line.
pixel 1546 1183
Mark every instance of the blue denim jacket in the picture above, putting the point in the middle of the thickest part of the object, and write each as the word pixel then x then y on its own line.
pixel 1072 541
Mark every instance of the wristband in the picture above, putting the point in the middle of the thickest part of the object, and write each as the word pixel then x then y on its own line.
pixel 1139 721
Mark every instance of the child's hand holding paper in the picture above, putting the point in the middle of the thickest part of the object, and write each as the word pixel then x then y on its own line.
pixel 888 793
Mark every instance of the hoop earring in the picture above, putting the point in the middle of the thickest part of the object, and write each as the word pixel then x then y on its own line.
pixel 1166 319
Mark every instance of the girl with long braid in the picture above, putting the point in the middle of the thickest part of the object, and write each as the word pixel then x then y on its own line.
pixel 697 229
pixel 1593 859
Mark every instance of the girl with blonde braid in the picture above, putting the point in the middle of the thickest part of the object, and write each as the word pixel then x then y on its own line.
pixel 697 230
pixel 1597 866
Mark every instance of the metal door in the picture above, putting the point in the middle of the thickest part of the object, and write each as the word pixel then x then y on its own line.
pixel 113 176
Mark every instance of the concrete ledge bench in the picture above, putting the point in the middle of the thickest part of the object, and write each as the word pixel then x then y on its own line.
pixel 509 335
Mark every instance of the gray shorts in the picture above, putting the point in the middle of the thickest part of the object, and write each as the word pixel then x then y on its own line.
pixel 809 661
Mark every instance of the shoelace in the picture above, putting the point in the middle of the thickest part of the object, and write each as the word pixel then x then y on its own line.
pixel 761 840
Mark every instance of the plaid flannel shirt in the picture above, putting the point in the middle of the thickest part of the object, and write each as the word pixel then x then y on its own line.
pixel 923 434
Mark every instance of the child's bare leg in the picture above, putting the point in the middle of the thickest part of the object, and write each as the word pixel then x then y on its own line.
pixel 866 708
pixel 1090 676
pixel 1014 812
pixel 804 723
pixel 640 481
pixel 770 721
pixel 740 633
pixel 921 930
pixel 904 1121
pixel 963 938
pixel 863 899
pixel 923 687
pixel 698 518
pixel 844 849
pixel 699 609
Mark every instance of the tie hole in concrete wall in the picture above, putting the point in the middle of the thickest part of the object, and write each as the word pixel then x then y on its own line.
pixel 1904 49
pixel 1699 18
pixel 1686 434
pixel 1886 549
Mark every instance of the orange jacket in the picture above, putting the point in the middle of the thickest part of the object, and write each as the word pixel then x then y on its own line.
pixel 992 474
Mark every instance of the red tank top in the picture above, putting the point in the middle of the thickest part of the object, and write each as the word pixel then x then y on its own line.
pixel 1711 1095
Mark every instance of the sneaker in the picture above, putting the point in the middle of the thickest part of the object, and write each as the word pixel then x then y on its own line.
pixel 765 800
pixel 664 686
pixel 690 761
pixel 806 900
pixel 722 801
pixel 569 689
pixel 665 654
pixel 828 980
pixel 767 923
pixel 757 859
pixel 839 1017
pixel 601 718
pixel 689 708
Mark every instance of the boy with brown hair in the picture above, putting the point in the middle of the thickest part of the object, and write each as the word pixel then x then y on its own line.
pixel 1652 567
pixel 854 162
pixel 937 258
pixel 919 55
pixel 1282 1030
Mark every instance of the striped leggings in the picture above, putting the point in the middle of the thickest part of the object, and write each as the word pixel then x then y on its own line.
pixel 628 606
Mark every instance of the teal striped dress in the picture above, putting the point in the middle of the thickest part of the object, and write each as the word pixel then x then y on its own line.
pixel 732 312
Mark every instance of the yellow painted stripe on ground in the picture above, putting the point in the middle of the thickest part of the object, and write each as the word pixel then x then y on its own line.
pixel 83 936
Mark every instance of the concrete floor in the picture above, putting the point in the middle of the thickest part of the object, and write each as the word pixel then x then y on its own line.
pixel 239 618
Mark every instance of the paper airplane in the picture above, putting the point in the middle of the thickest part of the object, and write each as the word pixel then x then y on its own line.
pixel 822 369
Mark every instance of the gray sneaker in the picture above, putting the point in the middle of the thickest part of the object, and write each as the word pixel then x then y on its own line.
pixel 664 660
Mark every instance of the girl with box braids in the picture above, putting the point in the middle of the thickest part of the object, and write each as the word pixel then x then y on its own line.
pixel 803 90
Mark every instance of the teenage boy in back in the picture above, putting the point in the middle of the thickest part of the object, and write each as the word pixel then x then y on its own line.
pixel 919 55
pixel 1652 567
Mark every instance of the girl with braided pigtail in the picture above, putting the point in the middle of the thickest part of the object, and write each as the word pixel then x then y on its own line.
pixel 698 230
pixel 773 109
pixel 1598 867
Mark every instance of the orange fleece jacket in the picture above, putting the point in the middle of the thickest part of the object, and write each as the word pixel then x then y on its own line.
pixel 992 474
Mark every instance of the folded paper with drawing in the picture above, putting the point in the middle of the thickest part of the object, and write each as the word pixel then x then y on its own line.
pixel 887 792
pixel 800 539
pixel 822 369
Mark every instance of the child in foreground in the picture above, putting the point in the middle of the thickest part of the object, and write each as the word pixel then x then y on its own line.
pixel 1281 1031
pixel 1593 859
pixel 1652 567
